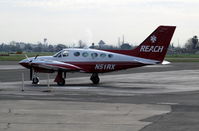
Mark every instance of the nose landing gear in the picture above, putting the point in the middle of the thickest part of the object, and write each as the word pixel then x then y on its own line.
pixel 35 80
pixel 33 77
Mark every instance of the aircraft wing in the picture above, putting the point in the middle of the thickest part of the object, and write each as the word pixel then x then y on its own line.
pixel 146 61
pixel 54 65
pixel 152 62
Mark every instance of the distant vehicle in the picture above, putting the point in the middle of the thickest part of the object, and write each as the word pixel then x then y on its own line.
pixel 150 52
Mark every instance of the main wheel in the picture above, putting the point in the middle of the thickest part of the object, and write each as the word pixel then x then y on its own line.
pixel 35 80
pixel 95 78
pixel 61 82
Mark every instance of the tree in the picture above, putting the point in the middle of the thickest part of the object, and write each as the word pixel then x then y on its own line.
pixel 28 47
pixel 192 45
pixel 81 44
pixel 59 47
pixel 50 48
pixel 195 41
pixel 38 48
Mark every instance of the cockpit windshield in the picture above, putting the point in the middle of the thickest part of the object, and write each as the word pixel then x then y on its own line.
pixel 57 54
pixel 63 53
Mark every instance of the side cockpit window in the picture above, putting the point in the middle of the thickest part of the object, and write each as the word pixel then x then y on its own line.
pixel 65 53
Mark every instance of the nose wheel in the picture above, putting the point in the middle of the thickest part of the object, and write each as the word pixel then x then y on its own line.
pixel 33 77
pixel 35 80
pixel 95 78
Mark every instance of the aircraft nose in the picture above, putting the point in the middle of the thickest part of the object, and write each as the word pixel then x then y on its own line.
pixel 24 62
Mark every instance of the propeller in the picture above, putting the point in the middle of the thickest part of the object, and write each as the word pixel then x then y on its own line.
pixel 30 62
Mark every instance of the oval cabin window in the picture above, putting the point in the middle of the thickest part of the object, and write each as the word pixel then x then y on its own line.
pixel 76 54
pixel 110 55
pixel 94 55
pixel 85 54
pixel 102 55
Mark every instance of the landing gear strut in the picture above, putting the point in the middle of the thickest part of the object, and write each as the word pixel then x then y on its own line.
pixel 59 79
pixel 95 78
pixel 34 77
pixel 61 82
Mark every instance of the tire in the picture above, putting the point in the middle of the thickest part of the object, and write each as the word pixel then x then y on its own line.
pixel 35 80
pixel 61 83
pixel 95 78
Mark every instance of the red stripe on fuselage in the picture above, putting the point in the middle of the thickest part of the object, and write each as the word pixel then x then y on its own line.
pixel 102 67
pixel 89 67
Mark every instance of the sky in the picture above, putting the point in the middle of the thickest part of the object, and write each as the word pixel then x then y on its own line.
pixel 68 21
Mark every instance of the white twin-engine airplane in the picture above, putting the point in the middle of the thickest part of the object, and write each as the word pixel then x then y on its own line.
pixel 150 52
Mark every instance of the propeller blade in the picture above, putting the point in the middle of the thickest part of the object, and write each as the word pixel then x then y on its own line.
pixel 36 56
pixel 27 57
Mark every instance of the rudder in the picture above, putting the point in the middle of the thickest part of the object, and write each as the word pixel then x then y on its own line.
pixel 155 46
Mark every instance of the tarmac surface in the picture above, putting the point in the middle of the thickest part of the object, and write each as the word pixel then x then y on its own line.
pixel 154 98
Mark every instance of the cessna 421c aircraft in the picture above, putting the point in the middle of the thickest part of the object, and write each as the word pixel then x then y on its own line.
pixel 151 51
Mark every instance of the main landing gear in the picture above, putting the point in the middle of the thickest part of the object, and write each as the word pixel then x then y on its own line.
pixel 95 78
pixel 60 79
